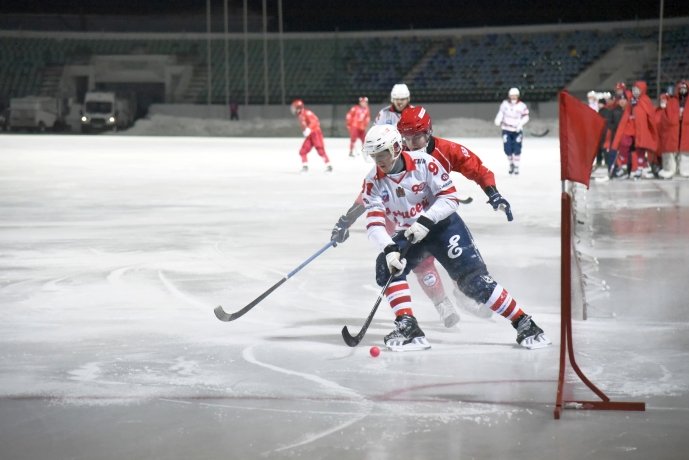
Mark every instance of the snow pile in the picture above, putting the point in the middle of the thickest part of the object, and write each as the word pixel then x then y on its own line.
pixel 167 125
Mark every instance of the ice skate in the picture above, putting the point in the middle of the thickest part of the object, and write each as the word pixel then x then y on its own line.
pixel 329 168
pixel 511 168
pixel 407 335
pixel 448 314
pixel 304 169
pixel 516 170
pixel 529 335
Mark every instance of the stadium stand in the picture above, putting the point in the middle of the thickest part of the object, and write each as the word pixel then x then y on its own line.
pixel 444 66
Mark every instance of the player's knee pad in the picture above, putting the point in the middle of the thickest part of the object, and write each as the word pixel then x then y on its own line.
pixel 429 279
pixel 478 285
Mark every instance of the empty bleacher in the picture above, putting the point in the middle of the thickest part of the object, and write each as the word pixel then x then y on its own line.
pixel 443 66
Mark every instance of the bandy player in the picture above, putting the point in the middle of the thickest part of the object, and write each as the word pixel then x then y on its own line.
pixel 414 190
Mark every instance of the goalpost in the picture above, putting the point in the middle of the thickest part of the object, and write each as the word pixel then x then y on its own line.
pixel 579 134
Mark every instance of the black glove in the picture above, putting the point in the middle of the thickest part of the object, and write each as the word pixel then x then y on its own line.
pixel 340 231
pixel 498 202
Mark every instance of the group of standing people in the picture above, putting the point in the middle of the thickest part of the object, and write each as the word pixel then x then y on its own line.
pixel 512 115
pixel 640 139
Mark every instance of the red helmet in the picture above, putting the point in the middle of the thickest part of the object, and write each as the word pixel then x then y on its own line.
pixel 297 106
pixel 414 120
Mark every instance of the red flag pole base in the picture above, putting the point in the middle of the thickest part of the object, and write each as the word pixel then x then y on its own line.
pixel 566 344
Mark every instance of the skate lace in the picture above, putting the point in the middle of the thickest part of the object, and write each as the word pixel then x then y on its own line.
pixel 404 326
pixel 524 326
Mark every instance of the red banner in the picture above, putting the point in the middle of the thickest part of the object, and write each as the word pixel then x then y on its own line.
pixel 580 133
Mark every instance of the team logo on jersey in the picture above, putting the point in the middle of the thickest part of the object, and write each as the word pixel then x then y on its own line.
pixel 385 196
pixel 416 188
pixel 400 192
pixel 445 176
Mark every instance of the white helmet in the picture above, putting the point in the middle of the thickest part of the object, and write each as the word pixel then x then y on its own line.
pixel 513 92
pixel 383 137
pixel 399 91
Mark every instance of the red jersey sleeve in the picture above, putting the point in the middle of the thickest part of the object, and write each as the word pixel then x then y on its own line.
pixel 456 157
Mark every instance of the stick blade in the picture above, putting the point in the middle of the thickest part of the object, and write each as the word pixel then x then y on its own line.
pixel 222 315
pixel 349 340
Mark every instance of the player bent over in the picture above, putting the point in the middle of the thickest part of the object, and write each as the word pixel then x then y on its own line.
pixel 416 192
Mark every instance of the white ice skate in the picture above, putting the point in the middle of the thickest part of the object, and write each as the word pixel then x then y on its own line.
pixel 407 336
pixel 529 335
pixel 448 314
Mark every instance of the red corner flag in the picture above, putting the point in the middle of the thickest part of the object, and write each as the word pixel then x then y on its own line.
pixel 580 132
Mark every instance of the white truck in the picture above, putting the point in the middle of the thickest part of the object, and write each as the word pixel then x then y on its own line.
pixel 35 113
pixel 106 110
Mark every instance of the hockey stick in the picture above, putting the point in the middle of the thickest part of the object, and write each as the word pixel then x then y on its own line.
pixel 224 316
pixel 466 200
pixel 353 341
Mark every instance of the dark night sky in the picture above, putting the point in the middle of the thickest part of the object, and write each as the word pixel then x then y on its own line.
pixel 327 15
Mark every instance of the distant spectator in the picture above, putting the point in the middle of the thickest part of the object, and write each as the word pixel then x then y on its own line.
pixel 637 137
pixel 611 111
pixel 593 97
pixel 673 130
pixel 234 110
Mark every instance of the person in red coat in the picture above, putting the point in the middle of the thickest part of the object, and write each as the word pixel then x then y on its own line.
pixel 313 136
pixel 673 127
pixel 636 139
pixel 357 120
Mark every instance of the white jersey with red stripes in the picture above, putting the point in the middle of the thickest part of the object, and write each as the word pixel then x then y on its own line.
pixel 423 188
pixel 512 116
pixel 389 116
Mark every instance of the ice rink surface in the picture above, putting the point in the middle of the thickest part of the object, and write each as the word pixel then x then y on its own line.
pixel 115 250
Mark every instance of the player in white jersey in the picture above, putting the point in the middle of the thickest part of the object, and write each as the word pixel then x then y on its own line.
pixel 426 272
pixel 511 118
pixel 416 192
pixel 399 100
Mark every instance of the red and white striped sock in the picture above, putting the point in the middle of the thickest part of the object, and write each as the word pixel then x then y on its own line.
pixel 399 297
pixel 502 303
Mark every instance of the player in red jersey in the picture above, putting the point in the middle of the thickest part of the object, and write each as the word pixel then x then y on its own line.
pixel 358 119
pixel 313 136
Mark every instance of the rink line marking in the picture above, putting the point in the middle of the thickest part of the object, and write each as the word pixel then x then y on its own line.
pixel 391 395
pixel 179 294
pixel 367 406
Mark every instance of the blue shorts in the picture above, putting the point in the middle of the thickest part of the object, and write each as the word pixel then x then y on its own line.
pixel 451 243
pixel 512 142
